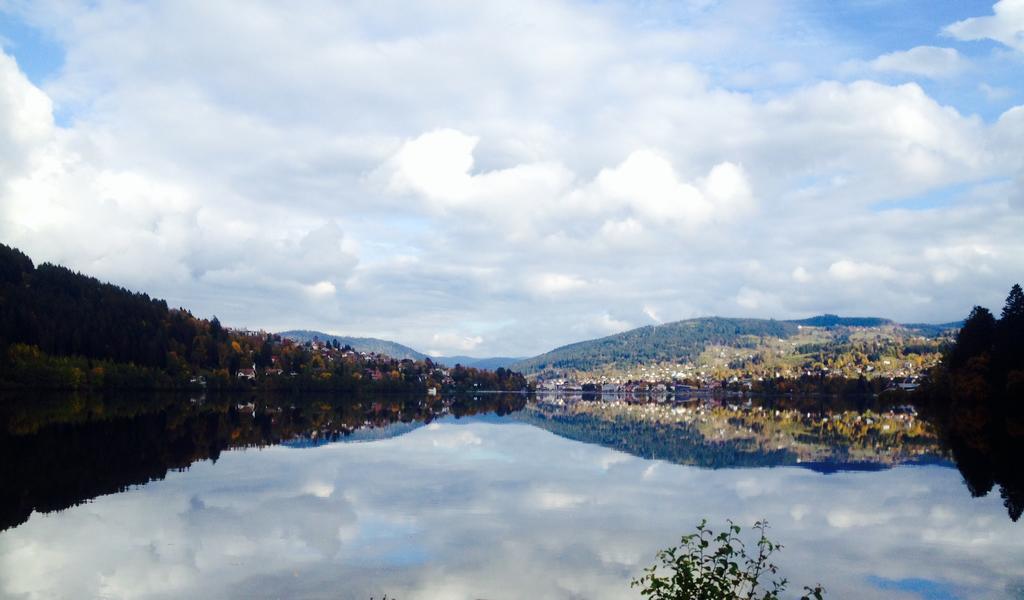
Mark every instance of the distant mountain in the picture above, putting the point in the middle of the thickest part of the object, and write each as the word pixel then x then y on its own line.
pixel 490 364
pixel 835 320
pixel 828 320
pixel 681 341
pixel 386 347
pixel 933 329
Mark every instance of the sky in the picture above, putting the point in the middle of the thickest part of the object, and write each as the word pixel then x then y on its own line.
pixel 493 178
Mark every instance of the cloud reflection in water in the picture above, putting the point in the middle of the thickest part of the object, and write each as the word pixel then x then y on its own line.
pixel 484 509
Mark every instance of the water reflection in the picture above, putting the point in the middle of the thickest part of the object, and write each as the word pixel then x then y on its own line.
pixel 60 450
pixel 988 449
pixel 723 434
pixel 477 507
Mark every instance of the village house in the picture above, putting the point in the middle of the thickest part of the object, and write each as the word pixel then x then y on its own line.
pixel 247 373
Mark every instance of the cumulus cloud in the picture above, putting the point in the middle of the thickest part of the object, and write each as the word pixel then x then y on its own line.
pixel 928 61
pixel 755 300
pixel 437 165
pixel 525 181
pixel 454 341
pixel 849 270
pixel 556 284
pixel 647 184
pixel 26 123
pixel 1005 25
pixel 995 93
pixel 800 275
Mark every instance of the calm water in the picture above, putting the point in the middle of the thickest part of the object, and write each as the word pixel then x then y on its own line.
pixel 540 503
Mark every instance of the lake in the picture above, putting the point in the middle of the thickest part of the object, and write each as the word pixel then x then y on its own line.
pixel 489 498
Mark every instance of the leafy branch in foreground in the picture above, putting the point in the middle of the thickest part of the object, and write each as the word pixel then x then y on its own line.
pixel 716 566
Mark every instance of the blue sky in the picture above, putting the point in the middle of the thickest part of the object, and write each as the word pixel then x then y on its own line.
pixel 38 54
pixel 480 179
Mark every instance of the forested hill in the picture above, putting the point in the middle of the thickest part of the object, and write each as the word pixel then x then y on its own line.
pixel 831 321
pixel 837 321
pixel 64 313
pixel 359 344
pixel 681 341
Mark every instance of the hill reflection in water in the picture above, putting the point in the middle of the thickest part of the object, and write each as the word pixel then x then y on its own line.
pixel 772 432
pixel 61 450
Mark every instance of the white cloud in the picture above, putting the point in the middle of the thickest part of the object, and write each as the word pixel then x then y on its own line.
pixel 652 313
pixel 1005 25
pixel 556 500
pixel 649 187
pixel 322 289
pixel 845 518
pixel 529 180
pixel 572 514
pixel 26 123
pixel 849 270
pixel 748 298
pixel 437 165
pixel 995 93
pixel 446 438
pixel 625 231
pixel 607 324
pixel 450 342
pixel 556 284
pixel 647 183
pixel 928 61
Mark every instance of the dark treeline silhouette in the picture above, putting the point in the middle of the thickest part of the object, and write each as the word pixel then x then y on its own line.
pixel 61 450
pixel 976 401
pixel 64 313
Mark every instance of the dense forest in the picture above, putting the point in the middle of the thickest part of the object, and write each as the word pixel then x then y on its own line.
pixel 61 329
pixel 836 321
pixel 976 401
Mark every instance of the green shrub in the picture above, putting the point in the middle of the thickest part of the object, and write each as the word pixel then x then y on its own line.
pixel 716 566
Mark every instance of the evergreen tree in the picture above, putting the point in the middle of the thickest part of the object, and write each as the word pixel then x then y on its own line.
pixel 975 338
pixel 1010 335
pixel 1014 308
